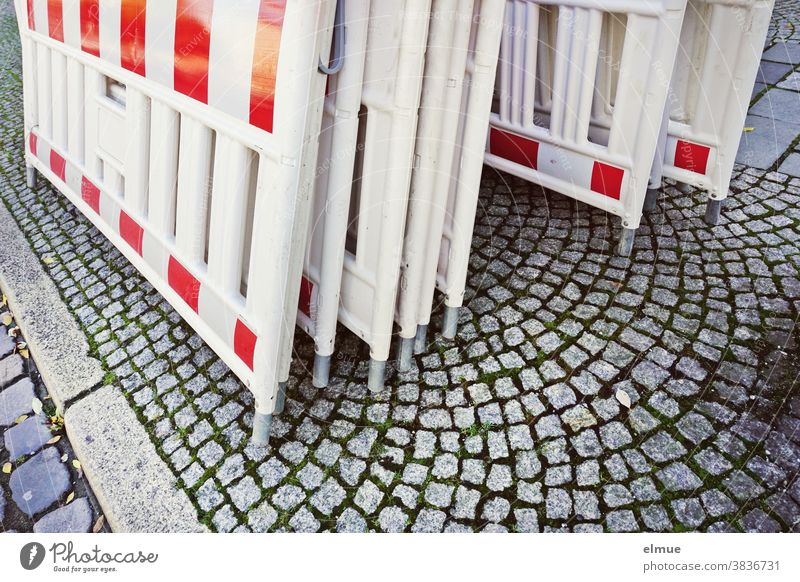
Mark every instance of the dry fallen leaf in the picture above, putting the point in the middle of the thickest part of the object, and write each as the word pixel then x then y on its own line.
pixel 7 468
pixel 623 398
pixel 24 353
pixel 7 319
pixel 48 260
pixel 98 525
pixel 749 129
pixel 36 405
pixel 54 440
pixel 70 497
pixel 21 419
pixel 76 463
pixel 4 300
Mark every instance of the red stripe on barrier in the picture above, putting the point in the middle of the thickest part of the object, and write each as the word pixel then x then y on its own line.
pixel 244 343
pixel 265 63
pixel 33 142
pixel 90 27
pixel 90 194
pixel 192 47
pixel 130 231
pixel 306 292
pixel 31 18
pixel 58 165
pixel 55 19
pixel 183 283
pixel 607 180
pixel 132 35
pixel 692 157
pixel 514 148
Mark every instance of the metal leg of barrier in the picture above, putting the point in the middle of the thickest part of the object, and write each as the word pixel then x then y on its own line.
pixel 450 323
pixel 322 371
pixel 651 200
pixel 713 209
pixel 626 242
pixel 30 176
pixel 377 375
pixel 280 398
pixel 262 423
pixel 421 341
pixel 405 351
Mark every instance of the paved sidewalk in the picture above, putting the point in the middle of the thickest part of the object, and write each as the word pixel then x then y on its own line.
pixel 42 488
pixel 517 425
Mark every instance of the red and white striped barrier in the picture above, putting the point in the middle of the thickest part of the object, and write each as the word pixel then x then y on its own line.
pixel 182 130
pixel 716 68
pixel 546 127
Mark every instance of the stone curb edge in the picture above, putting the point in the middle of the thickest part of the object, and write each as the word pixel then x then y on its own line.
pixel 135 488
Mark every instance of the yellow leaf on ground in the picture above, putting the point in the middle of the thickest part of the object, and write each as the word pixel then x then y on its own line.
pixel 24 353
pixel 7 468
pixel 4 301
pixel 76 463
pixel 54 440
pixel 70 497
pixel 21 419
pixel 98 525
pixel 48 260
pixel 7 319
pixel 749 129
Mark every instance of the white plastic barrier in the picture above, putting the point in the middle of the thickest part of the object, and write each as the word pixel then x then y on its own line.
pixel 552 126
pixel 372 232
pixel 181 129
pixel 716 68
pixel 461 61
pixel 318 310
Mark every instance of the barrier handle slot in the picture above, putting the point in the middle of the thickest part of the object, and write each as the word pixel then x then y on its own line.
pixel 338 43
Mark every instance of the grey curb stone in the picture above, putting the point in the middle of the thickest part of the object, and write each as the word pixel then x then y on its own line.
pixel 55 341
pixel 134 486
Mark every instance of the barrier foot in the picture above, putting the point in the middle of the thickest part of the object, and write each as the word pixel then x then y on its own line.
pixel 404 354
pixel 421 341
pixel 651 200
pixel 322 371
pixel 262 423
pixel 280 399
pixel 713 209
pixel 626 242
pixel 377 374
pixel 30 176
pixel 450 323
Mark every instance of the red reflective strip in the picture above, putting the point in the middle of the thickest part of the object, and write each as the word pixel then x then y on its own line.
pixel 90 27
pixel 306 292
pixel 692 157
pixel 130 231
pixel 33 142
pixel 244 343
pixel 132 26
pixel 31 19
pixel 55 19
pixel 184 283
pixel 514 148
pixel 192 46
pixel 90 194
pixel 607 180
pixel 265 63
pixel 58 165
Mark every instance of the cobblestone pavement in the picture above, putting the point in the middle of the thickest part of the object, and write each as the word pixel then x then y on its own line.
pixel 42 488
pixel 516 425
